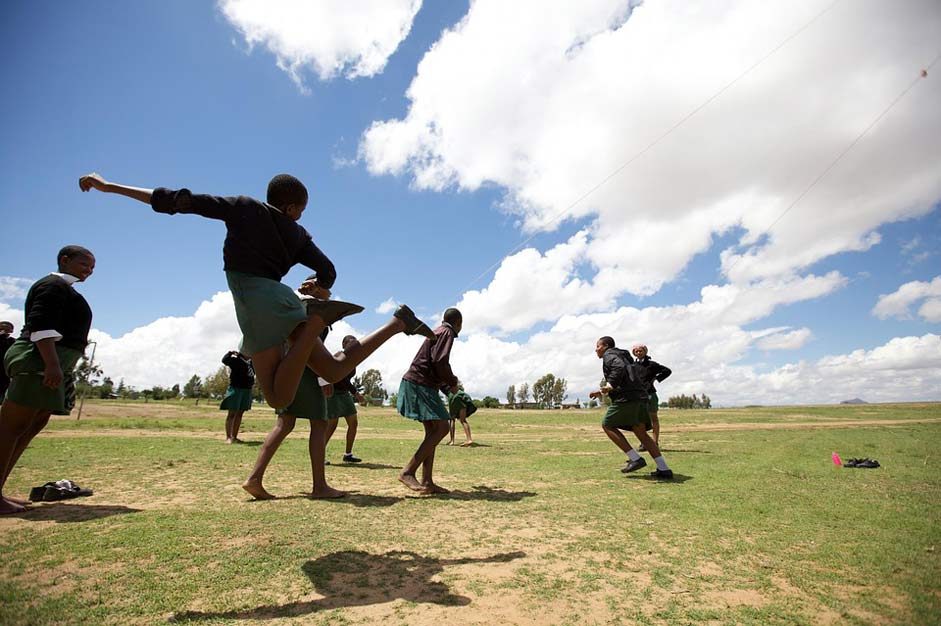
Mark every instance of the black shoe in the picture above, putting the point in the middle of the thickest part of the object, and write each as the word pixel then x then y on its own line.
pixel 633 466
pixel 667 473
pixel 852 462
pixel 330 310
pixel 641 448
pixel 868 464
pixel 349 458
pixel 413 325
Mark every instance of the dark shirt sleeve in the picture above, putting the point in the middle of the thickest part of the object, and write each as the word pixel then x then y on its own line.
pixel 172 201
pixel 661 372
pixel 613 366
pixel 47 307
pixel 229 359
pixel 312 257
pixel 440 359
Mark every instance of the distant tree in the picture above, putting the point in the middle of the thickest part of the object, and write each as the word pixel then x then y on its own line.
pixel 511 394
pixel 558 393
pixel 193 388
pixel 522 394
pixel 86 376
pixel 490 402
pixel 371 384
pixel 544 391
pixel 394 399
pixel 578 403
pixel 106 388
pixel 690 402
pixel 592 403
pixel 217 383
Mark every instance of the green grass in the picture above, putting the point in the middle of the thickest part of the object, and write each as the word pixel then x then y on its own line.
pixel 758 528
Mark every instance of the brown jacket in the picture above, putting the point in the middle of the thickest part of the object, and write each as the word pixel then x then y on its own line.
pixel 431 366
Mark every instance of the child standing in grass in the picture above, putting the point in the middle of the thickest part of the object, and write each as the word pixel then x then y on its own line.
pixel 263 242
pixel 238 397
pixel 652 372
pixel 628 410
pixel 418 399
pixel 461 406
pixel 342 403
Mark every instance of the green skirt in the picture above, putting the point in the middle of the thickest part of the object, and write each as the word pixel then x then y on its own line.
pixel 309 401
pixel 237 399
pixel 653 404
pixel 341 404
pixel 458 401
pixel 421 403
pixel 267 311
pixel 25 366
pixel 627 415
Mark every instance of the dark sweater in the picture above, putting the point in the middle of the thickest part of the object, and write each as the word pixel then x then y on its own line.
pixel 653 371
pixel 260 240
pixel 614 367
pixel 52 304
pixel 431 366
pixel 5 342
pixel 241 370
pixel 346 384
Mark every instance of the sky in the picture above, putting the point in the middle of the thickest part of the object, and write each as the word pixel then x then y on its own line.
pixel 751 189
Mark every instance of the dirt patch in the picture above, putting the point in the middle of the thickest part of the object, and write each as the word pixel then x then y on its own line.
pixel 736 597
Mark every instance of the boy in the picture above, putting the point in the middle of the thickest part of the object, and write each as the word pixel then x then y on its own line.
pixel 41 361
pixel 418 399
pixel 653 371
pixel 341 402
pixel 263 241
pixel 628 410
pixel 238 397
pixel 460 406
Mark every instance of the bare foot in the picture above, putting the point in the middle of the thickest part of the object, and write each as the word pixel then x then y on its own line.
pixel 450 443
pixel 256 491
pixel 19 501
pixel 411 482
pixel 467 444
pixel 8 508
pixel 230 440
pixel 433 488
pixel 326 492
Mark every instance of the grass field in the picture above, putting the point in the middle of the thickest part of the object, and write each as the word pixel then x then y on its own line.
pixel 759 526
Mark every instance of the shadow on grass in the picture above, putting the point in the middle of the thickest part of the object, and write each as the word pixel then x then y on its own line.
pixel 685 450
pixel 483 492
pixel 372 466
pixel 357 578
pixel 353 498
pixel 677 478
pixel 62 513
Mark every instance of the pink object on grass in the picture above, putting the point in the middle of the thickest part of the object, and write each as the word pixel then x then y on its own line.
pixel 836 459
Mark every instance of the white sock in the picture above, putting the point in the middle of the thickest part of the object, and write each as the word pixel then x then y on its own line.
pixel 661 464
pixel 632 455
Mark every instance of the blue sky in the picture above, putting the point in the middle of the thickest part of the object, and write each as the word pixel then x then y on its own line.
pixel 466 137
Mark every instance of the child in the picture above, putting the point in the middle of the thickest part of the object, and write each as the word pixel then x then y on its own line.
pixel 418 399
pixel 41 361
pixel 6 340
pixel 342 403
pixel 460 406
pixel 628 410
pixel 653 371
pixel 263 241
pixel 238 397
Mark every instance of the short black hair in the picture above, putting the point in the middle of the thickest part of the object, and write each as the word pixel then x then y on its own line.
pixel 284 189
pixel 6 323
pixel 71 251
pixel 348 340
pixel 452 316
pixel 608 341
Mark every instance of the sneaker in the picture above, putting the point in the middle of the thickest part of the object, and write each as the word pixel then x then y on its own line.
pixel 667 473
pixel 349 458
pixel 633 466
pixel 330 310
pixel 413 325
pixel 868 463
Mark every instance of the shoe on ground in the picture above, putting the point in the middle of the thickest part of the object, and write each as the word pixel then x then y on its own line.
pixel 868 464
pixel 330 310
pixel 641 448
pixel 349 458
pixel 413 325
pixel 851 462
pixel 667 473
pixel 633 466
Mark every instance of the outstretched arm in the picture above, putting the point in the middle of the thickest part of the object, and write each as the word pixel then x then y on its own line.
pixel 96 181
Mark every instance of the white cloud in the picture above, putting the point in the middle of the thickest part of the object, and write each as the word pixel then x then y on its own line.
pixel 546 101
pixel 11 314
pixel 785 341
pixel 14 288
pixel 387 307
pixel 898 303
pixel 354 39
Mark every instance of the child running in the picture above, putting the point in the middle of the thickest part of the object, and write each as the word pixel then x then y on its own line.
pixel 263 242
pixel 342 403
pixel 461 406
pixel 653 371
pixel 238 397
pixel 628 410
pixel 418 399
pixel 40 363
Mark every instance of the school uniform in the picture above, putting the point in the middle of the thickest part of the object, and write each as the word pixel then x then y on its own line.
pixel 418 397
pixel 343 401
pixel 628 403
pixel 458 401
pixel 238 397
pixel 54 310
pixel 653 371
pixel 309 401
pixel 261 245
pixel 5 342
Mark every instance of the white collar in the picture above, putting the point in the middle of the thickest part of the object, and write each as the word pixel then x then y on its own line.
pixel 66 277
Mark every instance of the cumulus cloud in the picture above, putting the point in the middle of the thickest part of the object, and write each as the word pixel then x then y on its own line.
pixel 899 302
pixel 354 39
pixel 545 103
pixel 387 307
pixel 785 340
pixel 14 288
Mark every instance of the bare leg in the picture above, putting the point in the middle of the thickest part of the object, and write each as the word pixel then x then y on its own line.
pixel 468 440
pixel 331 428
pixel 428 465
pixel 277 375
pixel 641 432
pixel 229 422
pixel 236 425
pixel 352 424
pixel 451 431
pixel 655 422
pixel 18 425
pixel 618 438
pixel 253 484
pixel 427 447
pixel 333 368
pixel 316 446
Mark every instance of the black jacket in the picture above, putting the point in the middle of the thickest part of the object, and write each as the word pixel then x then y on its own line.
pixel 653 371
pixel 627 386
pixel 53 304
